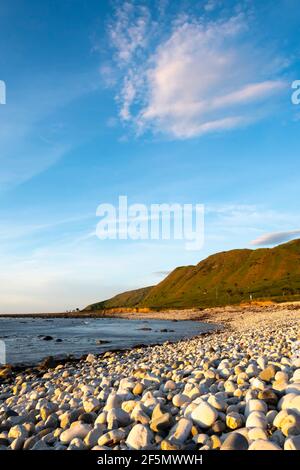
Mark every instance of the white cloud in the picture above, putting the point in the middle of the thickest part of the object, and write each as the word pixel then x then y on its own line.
pixel 275 238
pixel 201 77
pixel 127 32
pixel 127 96
pixel 248 93
pixel 210 5
pixel 201 82
pixel 129 37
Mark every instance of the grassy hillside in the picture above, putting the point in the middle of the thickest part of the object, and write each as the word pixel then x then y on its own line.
pixel 126 299
pixel 224 278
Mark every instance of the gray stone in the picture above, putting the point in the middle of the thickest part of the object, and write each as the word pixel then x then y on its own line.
pixel 162 423
pixel 263 444
pixel 292 443
pixel 181 431
pixel 256 419
pixel 17 444
pixel 93 436
pixel 235 441
pixel 112 437
pixel 40 445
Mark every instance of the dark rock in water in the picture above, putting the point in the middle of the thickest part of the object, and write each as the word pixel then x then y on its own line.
pixel 59 340
pixel 46 338
pixel 47 363
pixel 165 330
pixel 102 341
pixel 145 329
pixel 140 345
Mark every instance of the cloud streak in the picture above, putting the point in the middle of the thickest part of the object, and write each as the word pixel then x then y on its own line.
pixel 275 238
pixel 32 139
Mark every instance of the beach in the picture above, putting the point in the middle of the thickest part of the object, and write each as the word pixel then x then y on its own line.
pixel 237 388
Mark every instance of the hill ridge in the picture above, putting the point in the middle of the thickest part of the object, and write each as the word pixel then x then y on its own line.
pixel 223 278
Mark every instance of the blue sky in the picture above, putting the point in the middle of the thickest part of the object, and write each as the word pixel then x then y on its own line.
pixel 162 101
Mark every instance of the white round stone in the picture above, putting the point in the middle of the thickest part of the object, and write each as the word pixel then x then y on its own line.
pixel 204 415
pixel 256 419
pixel 139 438
pixel 79 430
pixel 255 405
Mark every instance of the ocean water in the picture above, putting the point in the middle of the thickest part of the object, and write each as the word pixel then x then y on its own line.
pixel 23 338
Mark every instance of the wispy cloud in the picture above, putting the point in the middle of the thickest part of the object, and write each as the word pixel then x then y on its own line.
pixel 162 273
pixel 32 137
pixel 12 230
pixel 231 223
pixel 128 30
pixel 196 77
pixel 276 237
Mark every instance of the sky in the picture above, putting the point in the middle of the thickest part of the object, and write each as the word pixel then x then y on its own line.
pixel 186 102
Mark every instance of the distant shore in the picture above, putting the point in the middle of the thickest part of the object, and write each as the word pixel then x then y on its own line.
pixel 230 315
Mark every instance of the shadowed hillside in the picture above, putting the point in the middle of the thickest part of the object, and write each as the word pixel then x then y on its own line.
pixel 224 278
pixel 130 299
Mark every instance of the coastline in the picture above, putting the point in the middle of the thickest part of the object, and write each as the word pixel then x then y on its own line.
pixel 223 319
pixel 226 314
pixel 235 388
pixel 53 361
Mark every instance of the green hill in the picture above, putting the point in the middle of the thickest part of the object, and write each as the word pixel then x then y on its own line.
pixel 224 278
pixel 128 299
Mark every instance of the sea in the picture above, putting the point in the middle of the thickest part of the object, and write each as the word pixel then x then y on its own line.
pixel 29 340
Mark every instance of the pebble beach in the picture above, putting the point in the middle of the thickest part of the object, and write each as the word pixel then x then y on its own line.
pixel 235 389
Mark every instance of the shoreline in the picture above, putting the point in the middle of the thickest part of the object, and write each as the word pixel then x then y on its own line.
pixel 52 361
pixel 223 319
pixel 224 313
pixel 234 389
